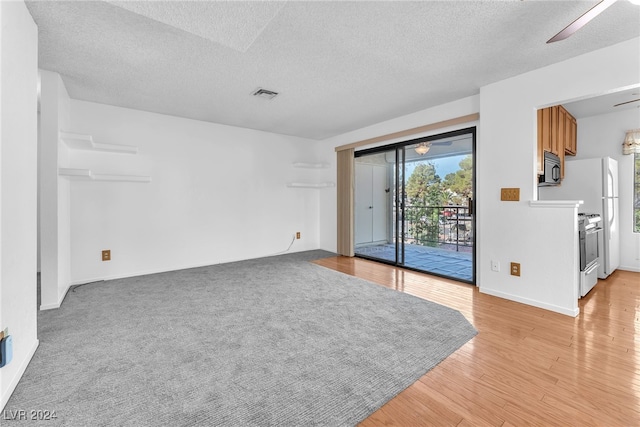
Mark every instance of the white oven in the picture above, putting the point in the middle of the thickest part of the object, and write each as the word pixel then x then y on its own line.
pixel 588 231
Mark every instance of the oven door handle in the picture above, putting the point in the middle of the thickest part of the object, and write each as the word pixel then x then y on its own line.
pixel 592 267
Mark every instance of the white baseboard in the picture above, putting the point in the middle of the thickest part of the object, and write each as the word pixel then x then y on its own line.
pixel 14 381
pixel 63 294
pixel 49 306
pixel 139 273
pixel 527 301
pixel 61 297
pixel 635 269
pixel 176 268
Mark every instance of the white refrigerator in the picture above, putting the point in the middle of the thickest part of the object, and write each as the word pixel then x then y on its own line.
pixel 595 181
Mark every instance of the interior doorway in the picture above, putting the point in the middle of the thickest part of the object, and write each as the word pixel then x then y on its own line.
pixel 414 204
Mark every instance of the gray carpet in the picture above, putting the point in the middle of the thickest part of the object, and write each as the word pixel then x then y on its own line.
pixel 271 342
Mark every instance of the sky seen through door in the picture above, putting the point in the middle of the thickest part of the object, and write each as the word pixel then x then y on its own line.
pixel 443 165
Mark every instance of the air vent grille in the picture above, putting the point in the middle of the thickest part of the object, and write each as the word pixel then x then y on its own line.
pixel 265 93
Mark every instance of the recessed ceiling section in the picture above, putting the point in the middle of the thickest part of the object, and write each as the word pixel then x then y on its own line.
pixel 234 24
pixel 605 104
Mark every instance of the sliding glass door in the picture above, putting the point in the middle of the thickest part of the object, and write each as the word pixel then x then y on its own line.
pixel 374 205
pixel 414 204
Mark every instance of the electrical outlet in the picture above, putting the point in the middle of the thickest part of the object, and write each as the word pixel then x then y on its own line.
pixel 495 265
pixel 515 269
pixel 510 194
pixel 297 234
pixel 106 255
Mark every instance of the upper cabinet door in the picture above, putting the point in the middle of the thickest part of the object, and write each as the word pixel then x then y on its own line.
pixel 570 131
pixel 540 151
pixel 555 136
pixel 546 129
pixel 544 136
pixel 559 134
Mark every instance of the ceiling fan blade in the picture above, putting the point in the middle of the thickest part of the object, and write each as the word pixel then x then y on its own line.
pixel 582 20
pixel 442 143
pixel 628 102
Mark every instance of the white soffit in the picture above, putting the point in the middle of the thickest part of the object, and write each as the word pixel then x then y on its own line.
pixel 234 24
pixel 606 104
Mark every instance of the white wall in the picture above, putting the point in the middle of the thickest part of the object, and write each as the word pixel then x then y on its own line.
pixel 514 231
pixel 64 196
pixel 18 188
pixel 601 136
pixel 328 225
pixel 54 192
pixel 541 238
pixel 218 194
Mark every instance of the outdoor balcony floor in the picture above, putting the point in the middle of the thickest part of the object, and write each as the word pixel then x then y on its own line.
pixel 457 265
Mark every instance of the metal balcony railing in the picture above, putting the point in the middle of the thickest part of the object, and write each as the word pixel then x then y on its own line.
pixel 449 227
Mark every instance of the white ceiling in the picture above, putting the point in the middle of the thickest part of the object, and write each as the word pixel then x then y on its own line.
pixel 605 104
pixel 338 66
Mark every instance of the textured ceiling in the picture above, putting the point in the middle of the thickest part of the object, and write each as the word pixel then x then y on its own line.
pixel 234 24
pixel 605 104
pixel 338 66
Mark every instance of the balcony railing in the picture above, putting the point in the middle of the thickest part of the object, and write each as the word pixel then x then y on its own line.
pixel 448 227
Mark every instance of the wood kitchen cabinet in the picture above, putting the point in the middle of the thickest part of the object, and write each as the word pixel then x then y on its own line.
pixel 557 130
pixel 544 136
pixel 558 124
pixel 571 136
pixel 540 152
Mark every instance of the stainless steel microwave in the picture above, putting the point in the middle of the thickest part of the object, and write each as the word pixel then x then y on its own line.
pixel 551 174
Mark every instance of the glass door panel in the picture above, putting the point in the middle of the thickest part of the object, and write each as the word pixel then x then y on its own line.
pixel 414 204
pixel 438 199
pixel 374 228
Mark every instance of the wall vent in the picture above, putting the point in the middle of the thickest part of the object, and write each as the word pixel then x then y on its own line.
pixel 265 93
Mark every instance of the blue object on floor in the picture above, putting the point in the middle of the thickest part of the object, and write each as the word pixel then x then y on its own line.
pixel 6 350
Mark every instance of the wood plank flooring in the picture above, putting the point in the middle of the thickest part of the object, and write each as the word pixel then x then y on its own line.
pixel 526 366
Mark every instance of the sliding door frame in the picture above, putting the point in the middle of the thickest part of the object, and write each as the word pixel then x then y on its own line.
pixel 399 148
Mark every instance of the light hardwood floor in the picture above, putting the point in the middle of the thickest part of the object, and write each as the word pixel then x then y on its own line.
pixel 526 366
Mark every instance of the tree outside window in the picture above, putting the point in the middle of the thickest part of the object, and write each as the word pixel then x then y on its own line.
pixel 428 199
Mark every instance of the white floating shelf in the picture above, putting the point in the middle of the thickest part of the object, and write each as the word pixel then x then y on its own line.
pixel 85 142
pixel 311 165
pixel 310 184
pixel 86 174
pixel 75 173
pixel 122 178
